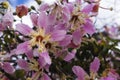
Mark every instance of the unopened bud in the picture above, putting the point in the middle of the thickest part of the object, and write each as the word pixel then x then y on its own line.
pixel 5 4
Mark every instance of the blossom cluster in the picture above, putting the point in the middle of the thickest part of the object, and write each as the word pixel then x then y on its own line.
pixel 41 52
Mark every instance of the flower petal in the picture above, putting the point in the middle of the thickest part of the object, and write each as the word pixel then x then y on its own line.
pixel 8 68
pixel 42 20
pixel 46 57
pixel 94 66
pixel 66 41
pixel 23 29
pixel 23 64
pixel 45 77
pixel 34 18
pixel 87 9
pixel 77 35
pixel 89 27
pixel 43 7
pixel 70 56
pixel 51 19
pixel 70 6
pixel 7 19
pixel 79 72
pixel 1 27
pixel 78 1
pixel 58 35
pixel 29 54
pixel 23 48
pixel 42 62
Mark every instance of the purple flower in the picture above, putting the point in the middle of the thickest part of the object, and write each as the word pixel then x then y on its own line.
pixel 94 66
pixel 39 37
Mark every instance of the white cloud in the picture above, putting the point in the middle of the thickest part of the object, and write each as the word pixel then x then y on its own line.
pixel 107 16
pixel 49 1
pixel 30 3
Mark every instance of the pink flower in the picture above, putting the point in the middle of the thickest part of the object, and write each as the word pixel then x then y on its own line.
pixel 21 10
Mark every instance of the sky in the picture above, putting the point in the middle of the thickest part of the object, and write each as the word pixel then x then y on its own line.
pixel 14 3
pixel 104 16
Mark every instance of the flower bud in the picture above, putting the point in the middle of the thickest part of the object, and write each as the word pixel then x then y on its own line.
pixel 5 4
pixel 21 10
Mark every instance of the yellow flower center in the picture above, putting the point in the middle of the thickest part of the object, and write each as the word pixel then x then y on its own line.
pixel 78 18
pixel 40 39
